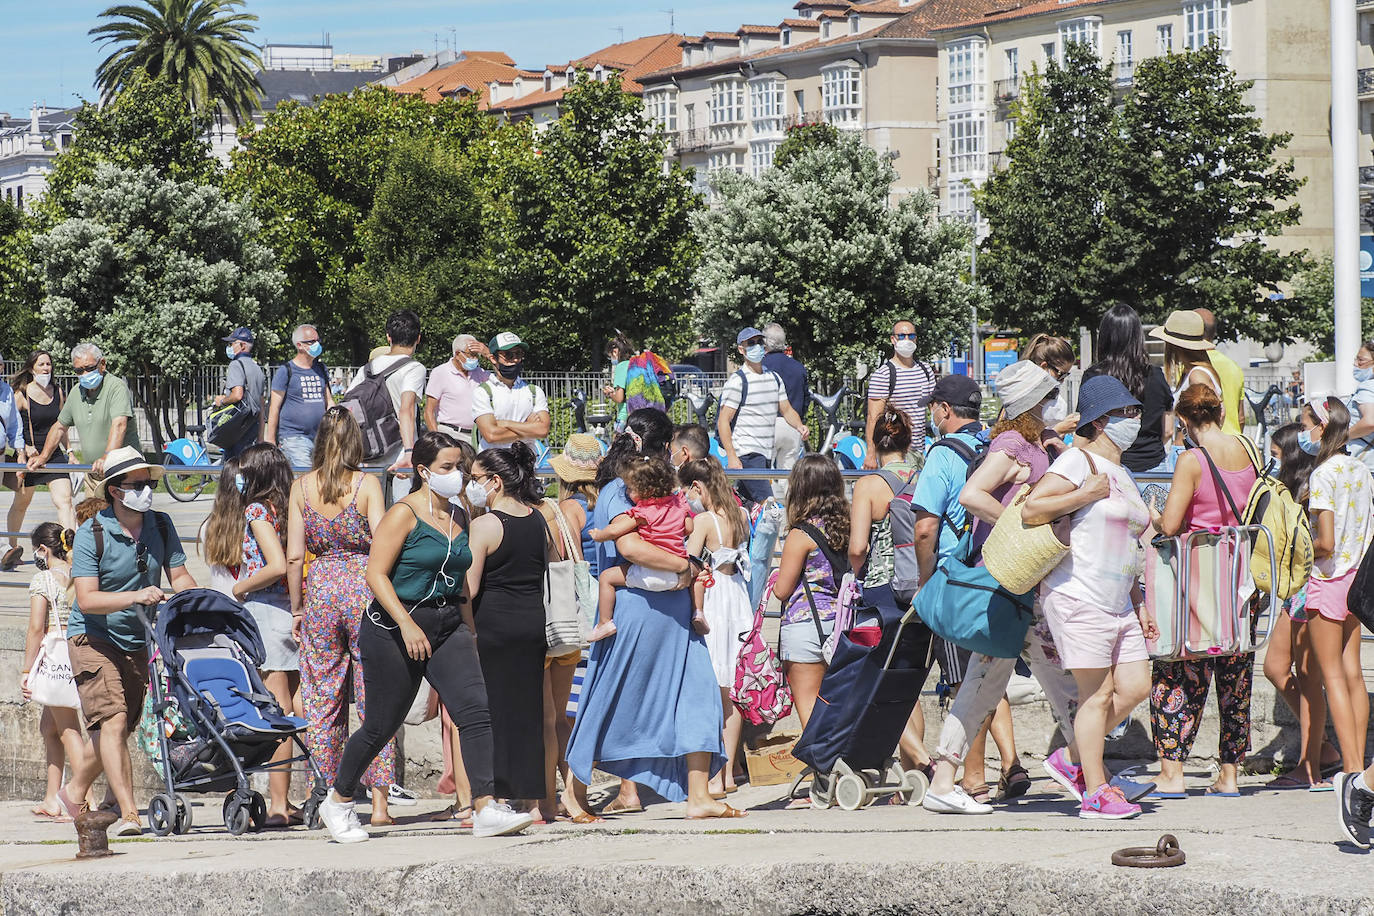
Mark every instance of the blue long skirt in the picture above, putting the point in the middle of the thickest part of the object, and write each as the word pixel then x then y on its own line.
pixel 649 698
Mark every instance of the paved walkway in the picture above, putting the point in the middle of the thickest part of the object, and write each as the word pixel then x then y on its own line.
pixel 1268 852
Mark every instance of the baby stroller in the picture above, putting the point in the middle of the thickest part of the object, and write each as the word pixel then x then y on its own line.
pixel 874 680
pixel 208 650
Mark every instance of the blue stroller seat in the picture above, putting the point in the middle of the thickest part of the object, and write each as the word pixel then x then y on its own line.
pixel 225 683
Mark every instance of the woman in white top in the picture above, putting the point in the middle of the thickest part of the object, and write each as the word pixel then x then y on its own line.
pixel 1362 406
pixel 49 604
pixel 1185 356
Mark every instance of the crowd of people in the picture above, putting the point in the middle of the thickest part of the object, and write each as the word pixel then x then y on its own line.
pixel 446 590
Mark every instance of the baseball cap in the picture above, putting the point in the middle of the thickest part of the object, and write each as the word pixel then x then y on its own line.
pixel 506 340
pixel 242 334
pixel 747 334
pixel 956 391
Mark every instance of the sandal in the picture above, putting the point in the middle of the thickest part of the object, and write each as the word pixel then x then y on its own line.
pixel 12 558
pixel 1288 780
pixel 1014 783
pixel 727 813
pixel 586 817
pixel 981 794
pixel 55 817
pixel 616 806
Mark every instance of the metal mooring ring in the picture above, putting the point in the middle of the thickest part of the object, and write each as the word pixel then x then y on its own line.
pixel 1165 854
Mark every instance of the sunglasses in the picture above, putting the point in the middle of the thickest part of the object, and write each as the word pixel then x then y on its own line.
pixel 130 485
pixel 903 336
pixel 1129 413
pixel 141 558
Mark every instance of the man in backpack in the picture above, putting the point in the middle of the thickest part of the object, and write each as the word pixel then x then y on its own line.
pixel 954 405
pixel 243 384
pixel 300 396
pixel 905 384
pixel 750 403
pixel 786 445
pixel 506 407
pixel 405 384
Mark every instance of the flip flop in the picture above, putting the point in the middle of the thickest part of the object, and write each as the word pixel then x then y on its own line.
pixel 1167 795
pixel 727 813
pixel 1014 783
pixel 42 816
pixel 615 806
pixel 1321 787
pixel 1214 792
pixel 1287 781
pixel 586 817
pixel 12 558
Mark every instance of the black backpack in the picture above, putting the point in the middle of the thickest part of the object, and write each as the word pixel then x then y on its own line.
pixel 370 403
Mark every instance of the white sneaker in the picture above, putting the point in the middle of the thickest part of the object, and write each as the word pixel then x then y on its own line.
pixel 499 819
pixel 342 820
pixel 400 796
pixel 956 802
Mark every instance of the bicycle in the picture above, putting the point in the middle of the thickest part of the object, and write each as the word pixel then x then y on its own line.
pixel 1265 414
pixel 190 450
pixel 849 450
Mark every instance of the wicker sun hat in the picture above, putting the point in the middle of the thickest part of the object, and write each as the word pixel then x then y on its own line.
pixel 579 458
pixel 1183 329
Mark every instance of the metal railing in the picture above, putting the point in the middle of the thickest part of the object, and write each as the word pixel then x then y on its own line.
pixel 803 119
pixel 1366 81
pixel 1005 90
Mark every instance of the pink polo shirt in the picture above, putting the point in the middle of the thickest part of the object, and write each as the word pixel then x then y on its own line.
pixel 453 390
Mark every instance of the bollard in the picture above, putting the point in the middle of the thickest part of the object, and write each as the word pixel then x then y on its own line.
pixel 91 841
pixel 1165 854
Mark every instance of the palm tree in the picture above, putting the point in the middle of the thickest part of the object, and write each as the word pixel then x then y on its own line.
pixel 201 46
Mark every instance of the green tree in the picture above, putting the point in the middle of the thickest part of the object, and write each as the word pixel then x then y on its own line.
pixel 147 124
pixel 818 247
pixel 203 47
pixel 1313 317
pixel 1043 260
pixel 803 137
pixel 424 249
pixel 155 271
pixel 20 289
pixel 311 175
pixel 590 232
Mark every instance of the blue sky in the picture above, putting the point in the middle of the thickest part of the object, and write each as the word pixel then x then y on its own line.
pixel 46 56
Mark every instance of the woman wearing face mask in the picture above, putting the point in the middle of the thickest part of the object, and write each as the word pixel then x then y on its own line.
pixel 420 625
pixel 1093 600
pixel 1179 690
pixel 39 402
pixel 1361 407
pixel 511 548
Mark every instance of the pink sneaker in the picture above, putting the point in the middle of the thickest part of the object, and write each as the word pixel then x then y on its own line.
pixel 1067 774
pixel 1108 803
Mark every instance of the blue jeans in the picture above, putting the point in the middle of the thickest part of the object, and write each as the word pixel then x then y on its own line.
pixel 755 490
pixel 297 449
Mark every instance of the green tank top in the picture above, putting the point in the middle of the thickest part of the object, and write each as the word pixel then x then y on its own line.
pixel 430 569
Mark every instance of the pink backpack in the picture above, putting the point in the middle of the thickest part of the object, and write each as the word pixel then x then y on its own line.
pixel 760 690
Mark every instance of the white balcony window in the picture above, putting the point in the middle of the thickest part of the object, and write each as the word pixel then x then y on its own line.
pixel 961 200
pixel 728 159
pixel 967 71
pixel 727 101
pixel 1164 39
pixel 1085 31
pixel 1125 49
pixel 1204 20
pixel 841 94
pixel 967 143
pixel 1012 63
pixel 766 105
pixel 1047 49
pixel 662 107
pixel 761 154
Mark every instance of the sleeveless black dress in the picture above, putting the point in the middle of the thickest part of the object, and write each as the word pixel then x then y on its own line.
pixel 37 421
pixel 509 613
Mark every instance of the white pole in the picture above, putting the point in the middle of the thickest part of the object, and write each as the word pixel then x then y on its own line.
pixel 1345 183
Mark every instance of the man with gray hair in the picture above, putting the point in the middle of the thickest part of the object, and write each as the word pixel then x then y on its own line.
pixel 448 395
pixel 786 441
pixel 300 396
pixel 100 410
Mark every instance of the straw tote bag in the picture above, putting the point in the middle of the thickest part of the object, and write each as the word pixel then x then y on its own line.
pixel 1018 555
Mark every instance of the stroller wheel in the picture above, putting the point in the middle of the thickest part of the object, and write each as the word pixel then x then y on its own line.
pixel 258 812
pixel 310 812
pixel 182 825
pixel 237 815
pixel 161 815
pixel 916 785
pixel 850 791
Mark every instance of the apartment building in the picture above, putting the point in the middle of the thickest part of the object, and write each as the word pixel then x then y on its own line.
pixel 1282 45
pixel 869 67
pixel 1364 10
pixel 27 148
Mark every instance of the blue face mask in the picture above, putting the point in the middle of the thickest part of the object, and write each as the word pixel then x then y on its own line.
pixel 315 350
pixel 1306 443
pixel 1364 375
pixel 239 482
pixel 470 364
pixel 755 353
pixel 91 380
pixel 229 351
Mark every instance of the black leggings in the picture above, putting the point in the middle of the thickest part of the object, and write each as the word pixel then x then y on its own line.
pixel 391 678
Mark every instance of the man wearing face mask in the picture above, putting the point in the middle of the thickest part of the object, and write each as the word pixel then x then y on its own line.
pixel 905 384
pixel 101 412
pixel 506 408
pixel 448 394
pixel 786 445
pixel 300 396
pixel 118 560
pixel 750 404
pixel 243 384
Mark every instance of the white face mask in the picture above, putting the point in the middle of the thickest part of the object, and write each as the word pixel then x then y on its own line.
pixel 42 378
pixel 1122 431
pixel 905 348
pixel 696 505
pixel 446 486
pixel 138 500
pixel 476 494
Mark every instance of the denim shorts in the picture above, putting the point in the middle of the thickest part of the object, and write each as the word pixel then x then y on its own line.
pixel 801 643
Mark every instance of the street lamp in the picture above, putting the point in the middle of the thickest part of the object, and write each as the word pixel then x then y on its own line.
pixel 1345 185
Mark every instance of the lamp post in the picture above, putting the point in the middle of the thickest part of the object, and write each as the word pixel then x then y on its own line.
pixel 1345 184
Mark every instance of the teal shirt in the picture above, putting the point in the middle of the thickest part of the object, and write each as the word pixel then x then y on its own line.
pixel 117 570
pixel 426 552
pixel 620 374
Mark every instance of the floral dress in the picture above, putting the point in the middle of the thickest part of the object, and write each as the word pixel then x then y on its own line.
pixel 336 595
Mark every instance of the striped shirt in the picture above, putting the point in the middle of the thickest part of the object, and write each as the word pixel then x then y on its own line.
pixel 758 416
pixel 907 392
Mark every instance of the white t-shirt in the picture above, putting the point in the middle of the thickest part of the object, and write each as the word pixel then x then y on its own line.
pixel 1343 486
pixel 411 378
pixel 755 423
pixel 1105 554
pixel 516 402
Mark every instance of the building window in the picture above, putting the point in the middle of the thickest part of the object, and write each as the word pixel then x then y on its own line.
pixel 1125 49
pixel 548 82
pixel 728 159
pixel 966 71
pixel 727 101
pixel 1048 50
pixel 1011 129
pixel 19 198
pixel 1164 38
pixel 960 200
pixel 799 96
pixel 825 29
pixel 766 105
pixel 967 143
pixel 761 155
pixel 853 25
pixel 786 37
pixel 663 109
pixel 1204 20
pixel 1012 63
pixel 1086 31
pixel 840 96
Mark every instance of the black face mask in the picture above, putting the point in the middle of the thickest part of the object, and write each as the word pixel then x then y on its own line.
pixel 511 371
pixel 41 562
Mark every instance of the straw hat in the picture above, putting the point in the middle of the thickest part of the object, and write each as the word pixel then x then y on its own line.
pixel 125 459
pixel 1183 329
pixel 579 458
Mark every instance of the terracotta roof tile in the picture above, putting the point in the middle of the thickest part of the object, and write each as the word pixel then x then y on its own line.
pixel 1008 10
pixel 473 70
pixel 801 24
pixel 720 36
pixel 631 59
pixel 819 4
pixel 758 30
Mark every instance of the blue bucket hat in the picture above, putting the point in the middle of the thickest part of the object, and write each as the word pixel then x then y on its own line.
pixel 1099 396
